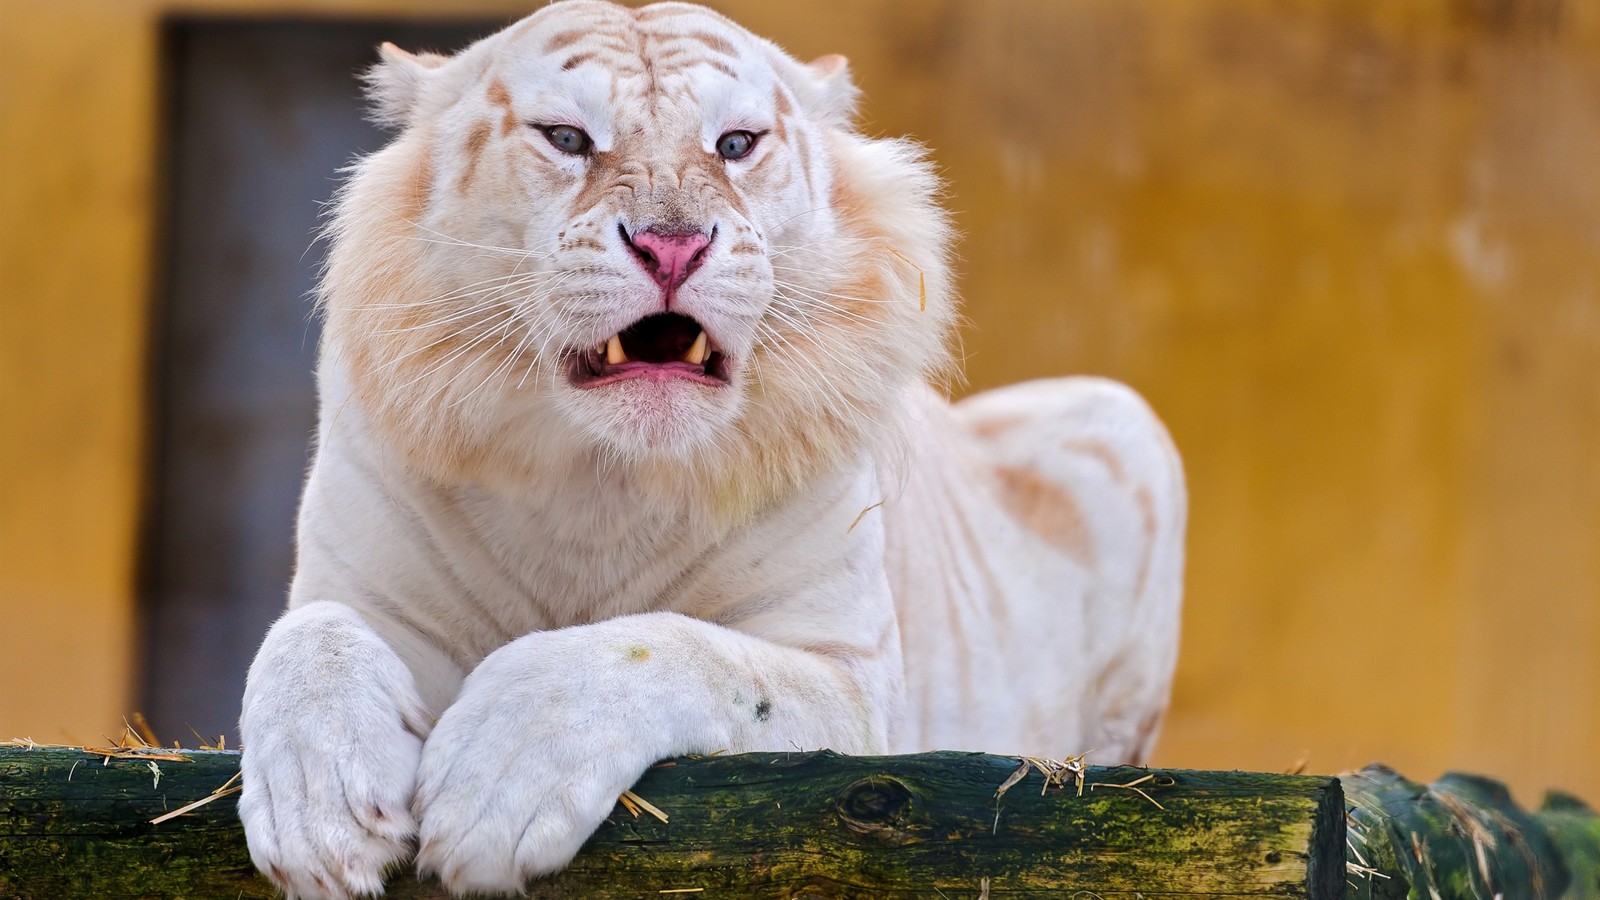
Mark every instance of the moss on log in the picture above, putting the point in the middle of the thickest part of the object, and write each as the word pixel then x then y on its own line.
pixel 1463 838
pixel 754 825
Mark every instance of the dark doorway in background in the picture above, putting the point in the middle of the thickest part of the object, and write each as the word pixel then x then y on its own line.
pixel 261 115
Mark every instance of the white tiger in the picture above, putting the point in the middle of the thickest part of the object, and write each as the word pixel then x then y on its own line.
pixel 628 449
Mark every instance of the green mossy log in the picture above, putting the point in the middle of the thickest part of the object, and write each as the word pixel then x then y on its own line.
pixel 1463 838
pixel 73 823
pixel 755 825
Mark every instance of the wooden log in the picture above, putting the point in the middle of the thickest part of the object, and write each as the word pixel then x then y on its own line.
pixel 753 825
pixel 1574 827
pixel 1463 838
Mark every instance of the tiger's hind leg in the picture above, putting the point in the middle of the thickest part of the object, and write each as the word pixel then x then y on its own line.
pixel 1085 465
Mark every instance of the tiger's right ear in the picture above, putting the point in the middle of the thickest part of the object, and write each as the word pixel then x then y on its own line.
pixel 395 84
pixel 837 93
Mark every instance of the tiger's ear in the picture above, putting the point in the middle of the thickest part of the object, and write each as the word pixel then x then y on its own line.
pixel 836 93
pixel 395 84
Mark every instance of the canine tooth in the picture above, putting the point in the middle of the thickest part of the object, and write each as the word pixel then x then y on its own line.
pixel 614 354
pixel 697 352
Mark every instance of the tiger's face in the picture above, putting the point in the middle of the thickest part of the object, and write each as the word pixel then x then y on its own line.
pixel 646 235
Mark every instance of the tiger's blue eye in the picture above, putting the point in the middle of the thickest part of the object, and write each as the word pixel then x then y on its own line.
pixel 568 139
pixel 736 145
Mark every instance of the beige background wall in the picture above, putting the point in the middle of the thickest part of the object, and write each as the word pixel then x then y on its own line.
pixel 1349 250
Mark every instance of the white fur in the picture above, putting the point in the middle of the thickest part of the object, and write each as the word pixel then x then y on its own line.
pixel 513 594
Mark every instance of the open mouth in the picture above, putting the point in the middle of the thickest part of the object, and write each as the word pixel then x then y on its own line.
pixel 664 345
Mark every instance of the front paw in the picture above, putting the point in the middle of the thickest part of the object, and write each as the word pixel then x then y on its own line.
pixel 520 770
pixel 329 763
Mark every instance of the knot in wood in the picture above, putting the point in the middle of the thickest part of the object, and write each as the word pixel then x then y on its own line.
pixel 876 804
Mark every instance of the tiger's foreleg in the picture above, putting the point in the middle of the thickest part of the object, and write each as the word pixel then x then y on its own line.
pixel 552 727
pixel 333 728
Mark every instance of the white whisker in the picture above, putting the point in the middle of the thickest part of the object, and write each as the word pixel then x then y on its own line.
pixel 838 241
pixel 451 239
pixel 505 365
pixel 822 386
pixel 835 353
pixel 818 293
pixel 503 316
pixel 468 290
pixel 461 372
pixel 808 306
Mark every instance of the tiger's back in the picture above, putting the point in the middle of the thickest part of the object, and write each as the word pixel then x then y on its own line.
pixel 1036 556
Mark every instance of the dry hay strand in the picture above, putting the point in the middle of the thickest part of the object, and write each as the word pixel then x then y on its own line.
pixel 1355 839
pixel 137 741
pixel 227 787
pixel 1056 772
pixel 114 750
pixel 1133 786
pixel 922 279
pixel 142 728
pixel 1073 769
pixel 863 514
pixel 1301 764
pixel 634 803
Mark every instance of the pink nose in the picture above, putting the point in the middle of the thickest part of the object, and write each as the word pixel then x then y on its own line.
pixel 669 258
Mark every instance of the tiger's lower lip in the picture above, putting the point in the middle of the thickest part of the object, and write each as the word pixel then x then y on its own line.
pixel 632 371
pixel 660 346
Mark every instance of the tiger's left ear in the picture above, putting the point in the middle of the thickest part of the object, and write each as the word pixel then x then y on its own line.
pixel 837 92
pixel 396 83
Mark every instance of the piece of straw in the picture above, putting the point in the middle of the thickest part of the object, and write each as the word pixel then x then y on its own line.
pixel 228 787
pixel 643 804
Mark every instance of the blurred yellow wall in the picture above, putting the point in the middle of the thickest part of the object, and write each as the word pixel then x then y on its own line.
pixel 1350 249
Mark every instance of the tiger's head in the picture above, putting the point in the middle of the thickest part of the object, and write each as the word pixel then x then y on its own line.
pixel 640 236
